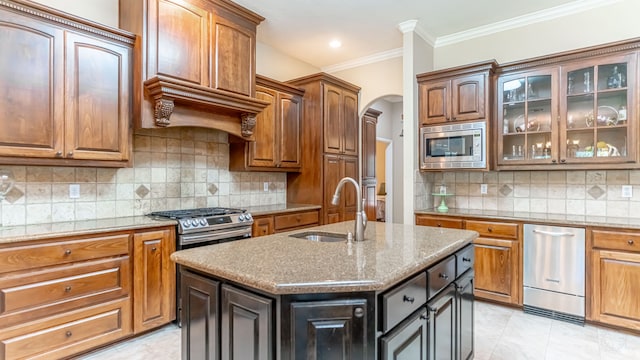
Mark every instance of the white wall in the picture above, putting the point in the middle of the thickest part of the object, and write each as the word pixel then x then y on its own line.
pixel 610 23
pixel 398 151
pixel 277 65
pixel 101 11
pixel 376 80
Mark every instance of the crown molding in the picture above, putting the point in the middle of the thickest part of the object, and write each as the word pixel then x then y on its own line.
pixel 407 26
pixel 365 60
pixel 520 21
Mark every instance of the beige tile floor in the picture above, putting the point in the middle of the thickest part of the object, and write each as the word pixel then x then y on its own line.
pixel 501 333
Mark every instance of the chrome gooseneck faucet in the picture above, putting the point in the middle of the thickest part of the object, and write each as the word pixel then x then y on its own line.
pixel 361 217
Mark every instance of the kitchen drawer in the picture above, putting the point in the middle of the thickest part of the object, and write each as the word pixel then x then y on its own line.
pixel 400 302
pixel 59 251
pixel 69 333
pixel 616 240
pixel 493 229
pixel 441 275
pixel 289 221
pixel 465 259
pixel 437 221
pixel 29 295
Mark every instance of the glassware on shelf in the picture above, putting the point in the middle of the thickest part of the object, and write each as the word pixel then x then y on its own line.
pixel 570 85
pixel 6 182
pixel 587 82
pixel 615 80
pixel 622 113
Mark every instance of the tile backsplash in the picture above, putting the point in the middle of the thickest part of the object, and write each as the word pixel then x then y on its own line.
pixel 175 168
pixel 593 193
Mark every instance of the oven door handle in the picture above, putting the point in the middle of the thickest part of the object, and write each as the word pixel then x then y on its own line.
pixel 208 236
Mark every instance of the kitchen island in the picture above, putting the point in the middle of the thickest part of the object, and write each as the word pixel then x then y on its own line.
pixel 289 298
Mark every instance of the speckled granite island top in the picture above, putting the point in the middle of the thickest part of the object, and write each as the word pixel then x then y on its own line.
pixel 280 264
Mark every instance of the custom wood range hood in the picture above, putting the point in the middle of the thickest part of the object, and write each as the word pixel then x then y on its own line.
pixel 195 64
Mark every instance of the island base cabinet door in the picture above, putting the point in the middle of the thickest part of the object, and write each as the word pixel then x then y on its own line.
pixel 247 326
pixel 616 285
pixel 330 330
pixel 464 303
pixel 442 325
pixel 199 317
pixel 408 341
pixel 496 270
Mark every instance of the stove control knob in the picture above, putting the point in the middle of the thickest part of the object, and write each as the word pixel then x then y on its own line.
pixel 186 224
pixel 241 217
pixel 194 222
pixel 203 222
pixel 247 216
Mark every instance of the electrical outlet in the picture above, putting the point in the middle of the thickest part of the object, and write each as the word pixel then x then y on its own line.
pixel 74 191
pixel 265 186
pixel 483 189
pixel 627 191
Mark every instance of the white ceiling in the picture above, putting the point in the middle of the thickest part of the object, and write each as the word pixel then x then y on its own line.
pixel 303 28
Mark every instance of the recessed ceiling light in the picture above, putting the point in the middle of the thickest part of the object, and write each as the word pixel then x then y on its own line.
pixel 335 44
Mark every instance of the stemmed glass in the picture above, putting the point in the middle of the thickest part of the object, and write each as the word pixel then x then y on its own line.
pixel 6 182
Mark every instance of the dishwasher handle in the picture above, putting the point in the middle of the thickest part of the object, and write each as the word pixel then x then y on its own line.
pixel 557 234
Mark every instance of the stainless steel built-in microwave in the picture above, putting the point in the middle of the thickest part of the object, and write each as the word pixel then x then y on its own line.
pixel 455 146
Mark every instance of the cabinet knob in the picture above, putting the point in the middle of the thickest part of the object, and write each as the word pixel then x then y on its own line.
pixel 67 289
pixel 358 312
pixel 563 160
pixel 70 154
pixel 67 252
pixel 154 249
pixel 443 276
pixel 439 225
pixel 408 299
pixel 58 153
pixel 423 317
pixel 554 161
pixel 490 229
pixel 68 333
pixel 464 259
pixel 630 242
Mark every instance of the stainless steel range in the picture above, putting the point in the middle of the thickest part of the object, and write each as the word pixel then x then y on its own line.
pixel 205 226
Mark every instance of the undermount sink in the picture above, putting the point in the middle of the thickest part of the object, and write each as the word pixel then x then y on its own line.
pixel 320 236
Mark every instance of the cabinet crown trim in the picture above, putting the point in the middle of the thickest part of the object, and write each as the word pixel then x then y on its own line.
pixel 447 73
pixel 69 21
pixel 324 77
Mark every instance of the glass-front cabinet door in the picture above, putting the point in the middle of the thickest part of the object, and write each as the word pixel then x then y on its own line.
pixel 527 113
pixel 597 110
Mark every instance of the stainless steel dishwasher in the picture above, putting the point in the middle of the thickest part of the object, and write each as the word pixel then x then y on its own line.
pixel 554 272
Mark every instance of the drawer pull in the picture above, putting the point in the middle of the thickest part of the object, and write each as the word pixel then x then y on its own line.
pixel 439 225
pixel 466 259
pixel 490 229
pixel 68 333
pixel 408 299
pixel 154 249
pixel 67 252
pixel 630 242
pixel 67 289
pixel 443 276
pixel 358 312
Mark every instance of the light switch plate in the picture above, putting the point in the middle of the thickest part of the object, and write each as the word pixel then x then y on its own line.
pixel 74 191
pixel 265 185
pixel 483 189
pixel 627 191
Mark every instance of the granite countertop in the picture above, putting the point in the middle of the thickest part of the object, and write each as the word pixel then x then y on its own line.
pixel 552 219
pixel 279 209
pixel 280 264
pixel 10 234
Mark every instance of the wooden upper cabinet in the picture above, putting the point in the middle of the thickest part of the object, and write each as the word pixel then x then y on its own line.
pixel 65 87
pixel 457 94
pixel 97 109
pixel 369 123
pixel 278 131
pixel 197 61
pixel 180 48
pixel 341 121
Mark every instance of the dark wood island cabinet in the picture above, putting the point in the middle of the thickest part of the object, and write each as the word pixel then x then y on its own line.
pixel 346 303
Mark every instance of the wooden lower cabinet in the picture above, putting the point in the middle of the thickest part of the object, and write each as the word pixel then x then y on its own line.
pixel 333 329
pixel 247 325
pixel 154 276
pixel 441 331
pixel 496 270
pixel 280 222
pixel 615 278
pixel 200 329
pixel 408 340
pixel 439 221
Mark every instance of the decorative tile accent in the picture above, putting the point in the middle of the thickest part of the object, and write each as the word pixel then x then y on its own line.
pixel 142 191
pixel 14 195
pixel 212 188
pixel 505 190
pixel 596 192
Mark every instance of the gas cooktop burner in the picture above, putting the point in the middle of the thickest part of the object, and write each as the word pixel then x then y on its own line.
pixel 191 213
